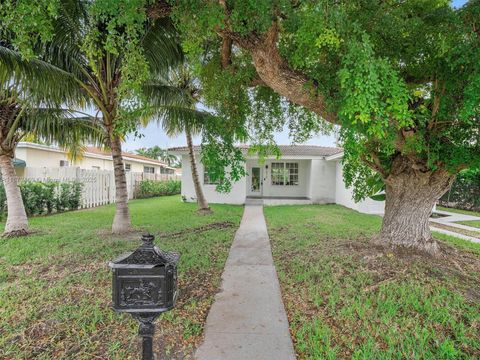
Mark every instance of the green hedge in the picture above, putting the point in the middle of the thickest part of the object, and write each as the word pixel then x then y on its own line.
pixel 465 191
pixel 45 197
pixel 150 188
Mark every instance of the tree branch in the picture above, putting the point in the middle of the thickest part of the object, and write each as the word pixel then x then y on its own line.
pixel 160 9
pixel 226 51
pixel 374 166
pixel 275 73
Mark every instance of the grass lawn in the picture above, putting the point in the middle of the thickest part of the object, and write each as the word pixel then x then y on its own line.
pixel 55 286
pixel 348 298
pixel 459 211
pixel 474 223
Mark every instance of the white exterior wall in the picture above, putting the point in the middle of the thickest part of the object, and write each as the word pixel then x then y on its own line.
pixel 50 158
pixel 343 196
pixel 300 190
pixel 236 196
pixel 322 181
pixel 40 157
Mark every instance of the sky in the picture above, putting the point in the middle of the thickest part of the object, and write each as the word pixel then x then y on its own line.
pixel 153 134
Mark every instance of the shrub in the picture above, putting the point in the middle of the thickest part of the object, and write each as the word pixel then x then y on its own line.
pixel 465 191
pixel 150 188
pixel 45 197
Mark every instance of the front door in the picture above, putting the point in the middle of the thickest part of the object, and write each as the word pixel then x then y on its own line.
pixel 256 181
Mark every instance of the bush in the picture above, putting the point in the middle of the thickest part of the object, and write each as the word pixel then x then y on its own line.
pixel 45 197
pixel 150 188
pixel 465 191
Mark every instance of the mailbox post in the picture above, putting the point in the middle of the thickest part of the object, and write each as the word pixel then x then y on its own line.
pixel 145 285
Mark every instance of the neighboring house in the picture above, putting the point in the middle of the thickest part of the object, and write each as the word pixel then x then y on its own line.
pixel 178 172
pixel 303 174
pixel 32 155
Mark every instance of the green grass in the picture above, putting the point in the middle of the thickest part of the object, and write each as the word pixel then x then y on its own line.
pixel 459 211
pixel 474 223
pixel 55 285
pixel 459 243
pixel 347 298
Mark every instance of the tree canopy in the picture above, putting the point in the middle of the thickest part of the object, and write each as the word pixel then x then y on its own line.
pixel 399 77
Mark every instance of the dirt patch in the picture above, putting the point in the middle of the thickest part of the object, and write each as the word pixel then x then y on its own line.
pixel 351 271
pixel 475 234
pixel 178 333
pixel 193 304
pixel 220 225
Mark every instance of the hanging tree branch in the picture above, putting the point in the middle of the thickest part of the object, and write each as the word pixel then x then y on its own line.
pixel 275 72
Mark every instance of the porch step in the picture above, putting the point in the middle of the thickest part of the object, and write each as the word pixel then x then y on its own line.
pixel 254 201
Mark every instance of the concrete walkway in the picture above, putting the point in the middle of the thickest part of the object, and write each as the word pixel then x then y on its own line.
pixel 451 219
pixel 247 320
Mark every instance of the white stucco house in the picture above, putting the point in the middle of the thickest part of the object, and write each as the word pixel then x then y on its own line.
pixel 304 174
pixel 33 155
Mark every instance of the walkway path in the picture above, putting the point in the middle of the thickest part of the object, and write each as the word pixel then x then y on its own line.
pixel 451 219
pixel 248 320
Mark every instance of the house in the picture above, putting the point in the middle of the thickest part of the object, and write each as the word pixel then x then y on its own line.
pixel 32 155
pixel 303 174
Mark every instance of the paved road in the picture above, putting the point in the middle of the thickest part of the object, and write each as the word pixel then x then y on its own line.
pixel 247 320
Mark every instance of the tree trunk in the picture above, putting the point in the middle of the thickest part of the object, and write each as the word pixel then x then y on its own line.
pixel 201 200
pixel 121 221
pixel 410 197
pixel 17 222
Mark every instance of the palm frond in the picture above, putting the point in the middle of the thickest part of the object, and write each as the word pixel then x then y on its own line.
pixel 161 94
pixel 42 81
pixel 175 119
pixel 62 127
pixel 161 46
pixel 64 50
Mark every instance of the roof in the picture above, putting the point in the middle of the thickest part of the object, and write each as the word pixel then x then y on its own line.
pixel 285 150
pixel 91 151
pixel 98 151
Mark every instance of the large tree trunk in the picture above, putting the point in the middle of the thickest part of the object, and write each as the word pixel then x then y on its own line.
pixel 121 221
pixel 410 197
pixel 201 200
pixel 17 222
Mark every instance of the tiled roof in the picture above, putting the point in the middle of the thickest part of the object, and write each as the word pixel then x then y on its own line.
pixel 98 151
pixel 286 150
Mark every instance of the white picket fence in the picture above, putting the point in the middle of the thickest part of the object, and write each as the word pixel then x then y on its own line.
pixel 98 185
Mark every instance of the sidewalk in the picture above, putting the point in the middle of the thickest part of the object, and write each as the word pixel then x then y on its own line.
pixel 451 219
pixel 248 320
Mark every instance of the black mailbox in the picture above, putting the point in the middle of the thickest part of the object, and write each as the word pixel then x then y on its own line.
pixel 145 285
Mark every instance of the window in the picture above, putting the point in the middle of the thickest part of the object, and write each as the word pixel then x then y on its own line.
pixel 284 173
pixel 63 163
pixel 96 167
pixel 128 167
pixel 149 169
pixel 206 178
pixel 292 173
pixel 278 174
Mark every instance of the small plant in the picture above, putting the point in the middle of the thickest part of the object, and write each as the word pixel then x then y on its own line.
pixel 46 197
pixel 150 188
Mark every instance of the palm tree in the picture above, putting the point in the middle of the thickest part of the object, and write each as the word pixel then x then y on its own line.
pixel 174 97
pixel 168 158
pixel 19 117
pixel 99 74
pixel 156 152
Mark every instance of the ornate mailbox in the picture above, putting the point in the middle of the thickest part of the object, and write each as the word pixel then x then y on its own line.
pixel 145 285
